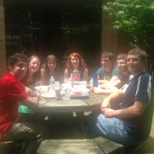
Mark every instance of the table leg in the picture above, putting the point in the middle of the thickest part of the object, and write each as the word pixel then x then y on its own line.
pixel 81 119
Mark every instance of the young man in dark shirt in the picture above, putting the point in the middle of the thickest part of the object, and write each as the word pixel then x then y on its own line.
pixel 123 77
pixel 131 123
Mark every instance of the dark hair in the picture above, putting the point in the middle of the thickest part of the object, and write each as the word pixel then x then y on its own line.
pixel 109 55
pixel 17 57
pixel 82 64
pixel 137 51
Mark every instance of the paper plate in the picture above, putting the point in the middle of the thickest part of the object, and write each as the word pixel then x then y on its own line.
pixel 51 95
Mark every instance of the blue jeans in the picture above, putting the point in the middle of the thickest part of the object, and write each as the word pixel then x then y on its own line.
pixel 110 128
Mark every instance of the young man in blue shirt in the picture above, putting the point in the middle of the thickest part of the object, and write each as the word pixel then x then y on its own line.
pixel 122 79
pixel 131 123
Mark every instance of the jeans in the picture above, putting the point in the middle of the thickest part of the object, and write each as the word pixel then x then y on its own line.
pixel 110 128
pixel 30 134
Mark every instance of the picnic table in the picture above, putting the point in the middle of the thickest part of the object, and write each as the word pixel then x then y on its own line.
pixel 66 104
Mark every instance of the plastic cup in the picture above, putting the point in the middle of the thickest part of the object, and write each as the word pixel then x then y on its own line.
pixel 56 85
pixel 83 84
pixel 57 94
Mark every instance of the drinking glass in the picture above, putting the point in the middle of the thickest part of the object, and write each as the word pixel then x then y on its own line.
pixel 83 84
pixel 56 85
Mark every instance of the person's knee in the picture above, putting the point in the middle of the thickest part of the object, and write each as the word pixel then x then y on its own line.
pixel 45 130
pixel 42 132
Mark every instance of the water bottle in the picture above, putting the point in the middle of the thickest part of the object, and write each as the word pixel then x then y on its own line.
pixel 95 80
pixel 75 75
pixel 52 82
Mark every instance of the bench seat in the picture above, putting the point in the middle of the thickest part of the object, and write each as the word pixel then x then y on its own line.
pixel 6 146
pixel 79 146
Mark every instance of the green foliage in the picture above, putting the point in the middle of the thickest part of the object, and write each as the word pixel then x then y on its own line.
pixel 135 17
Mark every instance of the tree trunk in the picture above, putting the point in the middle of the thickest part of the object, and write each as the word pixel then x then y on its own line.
pixel 2 40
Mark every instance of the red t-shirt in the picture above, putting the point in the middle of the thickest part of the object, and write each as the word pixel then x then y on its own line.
pixel 11 92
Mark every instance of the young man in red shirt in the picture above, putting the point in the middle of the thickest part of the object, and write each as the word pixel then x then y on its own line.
pixel 11 92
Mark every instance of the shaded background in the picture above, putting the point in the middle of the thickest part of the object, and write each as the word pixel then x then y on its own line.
pixel 58 27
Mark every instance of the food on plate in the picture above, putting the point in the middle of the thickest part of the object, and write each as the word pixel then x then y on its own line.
pixel 77 92
pixel 42 89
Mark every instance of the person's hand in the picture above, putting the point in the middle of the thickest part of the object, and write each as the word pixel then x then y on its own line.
pixel 106 85
pixel 32 93
pixel 92 89
pixel 97 90
pixel 108 112
pixel 105 104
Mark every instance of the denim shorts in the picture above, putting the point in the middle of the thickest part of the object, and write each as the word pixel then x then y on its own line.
pixel 110 128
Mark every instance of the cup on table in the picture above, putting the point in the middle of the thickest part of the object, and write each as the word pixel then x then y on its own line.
pixel 68 85
pixel 56 85
pixel 83 84
pixel 57 94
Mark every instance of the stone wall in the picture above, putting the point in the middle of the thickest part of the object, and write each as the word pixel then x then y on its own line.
pixel 2 40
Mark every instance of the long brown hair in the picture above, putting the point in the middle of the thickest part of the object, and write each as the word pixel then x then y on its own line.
pixel 36 75
pixel 82 64
pixel 46 68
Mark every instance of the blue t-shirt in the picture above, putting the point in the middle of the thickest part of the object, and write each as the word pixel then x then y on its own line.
pixel 139 89
pixel 107 75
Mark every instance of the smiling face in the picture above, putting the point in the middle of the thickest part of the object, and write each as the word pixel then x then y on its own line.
pixel 75 62
pixel 134 63
pixel 19 69
pixel 51 64
pixel 34 65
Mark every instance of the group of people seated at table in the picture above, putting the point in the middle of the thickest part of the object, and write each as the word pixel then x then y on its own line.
pixel 126 80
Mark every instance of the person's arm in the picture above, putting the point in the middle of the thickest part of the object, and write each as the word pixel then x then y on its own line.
pixel 31 102
pixel 135 110
pixel 85 74
pixel 42 75
pixel 104 91
pixel 31 92
pixel 66 75
pixel 114 81
pixel 91 81
pixel 113 96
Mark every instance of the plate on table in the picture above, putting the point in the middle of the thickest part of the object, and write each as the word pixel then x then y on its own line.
pixel 80 91
pixel 82 95
pixel 42 89
pixel 51 94
pixel 76 93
